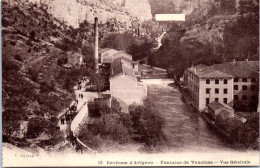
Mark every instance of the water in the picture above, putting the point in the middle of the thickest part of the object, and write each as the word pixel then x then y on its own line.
pixel 185 129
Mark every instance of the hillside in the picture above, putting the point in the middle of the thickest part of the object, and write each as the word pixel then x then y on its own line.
pixel 36 85
pixel 74 12
pixel 37 81
pixel 214 32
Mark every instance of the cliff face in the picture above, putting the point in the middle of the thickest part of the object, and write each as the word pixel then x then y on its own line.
pixel 208 22
pixel 178 6
pixel 73 12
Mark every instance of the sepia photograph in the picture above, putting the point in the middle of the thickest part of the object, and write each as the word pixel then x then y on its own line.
pixel 112 83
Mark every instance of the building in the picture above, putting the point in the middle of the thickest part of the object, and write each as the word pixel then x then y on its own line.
pixel 216 109
pixel 124 84
pixel 149 72
pixel 246 83
pixel 106 55
pixel 207 85
pixel 233 83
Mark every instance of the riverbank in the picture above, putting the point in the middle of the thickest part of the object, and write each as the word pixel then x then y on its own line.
pixel 239 136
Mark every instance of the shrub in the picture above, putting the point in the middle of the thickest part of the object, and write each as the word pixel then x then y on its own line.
pixel 18 57
pixel 148 124
pixel 35 127
pixel 33 74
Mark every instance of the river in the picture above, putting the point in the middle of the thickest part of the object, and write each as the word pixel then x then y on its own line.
pixel 185 129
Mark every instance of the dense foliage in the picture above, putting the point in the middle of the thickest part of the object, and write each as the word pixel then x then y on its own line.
pixel 142 124
pixel 240 41
pixel 36 85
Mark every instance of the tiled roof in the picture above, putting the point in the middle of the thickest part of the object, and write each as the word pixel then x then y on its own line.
pixel 144 67
pixel 203 71
pixel 217 105
pixel 121 67
pixel 241 69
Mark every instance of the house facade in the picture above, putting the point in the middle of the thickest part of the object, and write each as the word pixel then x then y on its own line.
pixel 233 83
pixel 124 84
pixel 246 83
pixel 207 85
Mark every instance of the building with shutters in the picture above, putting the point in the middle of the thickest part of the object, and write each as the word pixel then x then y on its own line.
pixel 233 83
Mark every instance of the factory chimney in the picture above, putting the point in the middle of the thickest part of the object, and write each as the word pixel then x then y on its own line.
pixel 96 42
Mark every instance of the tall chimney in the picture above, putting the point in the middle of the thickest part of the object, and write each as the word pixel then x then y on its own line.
pixel 96 42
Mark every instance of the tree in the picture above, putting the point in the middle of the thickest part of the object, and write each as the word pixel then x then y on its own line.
pixel 148 123
pixel 11 121
pixel 98 81
pixel 35 127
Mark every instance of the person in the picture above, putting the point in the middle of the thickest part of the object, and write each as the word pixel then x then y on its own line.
pixel 81 95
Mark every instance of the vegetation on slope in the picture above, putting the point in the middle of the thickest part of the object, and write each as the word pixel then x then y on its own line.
pixel 240 41
pixel 143 124
pixel 36 86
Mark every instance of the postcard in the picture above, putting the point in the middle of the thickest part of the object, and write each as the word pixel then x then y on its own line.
pixel 130 83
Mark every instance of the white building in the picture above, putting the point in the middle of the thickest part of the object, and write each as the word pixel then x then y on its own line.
pixel 124 84
pixel 207 85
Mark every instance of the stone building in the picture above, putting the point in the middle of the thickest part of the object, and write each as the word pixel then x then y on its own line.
pixel 246 83
pixel 124 84
pixel 207 85
pixel 234 83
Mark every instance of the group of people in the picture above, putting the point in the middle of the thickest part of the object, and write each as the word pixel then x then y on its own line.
pixel 82 79
pixel 69 115
pixel 81 95
pixel 73 140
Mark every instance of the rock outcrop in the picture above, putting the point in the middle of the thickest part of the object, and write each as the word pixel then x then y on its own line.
pixel 73 12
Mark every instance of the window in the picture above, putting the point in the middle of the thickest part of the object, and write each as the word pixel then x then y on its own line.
pixel 225 100
pixel 207 91
pixel 244 97
pixel 217 91
pixel 207 101
pixel 225 81
pixel 244 80
pixel 244 87
pixel 225 91
pixel 207 81
pixel 253 87
pixel 216 99
pixel 236 97
pixel 253 80
pixel 236 80
pixel 216 81
pixel 235 87
pixel 253 98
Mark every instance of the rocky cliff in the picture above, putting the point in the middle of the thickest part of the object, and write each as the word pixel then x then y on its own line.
pixel 74 12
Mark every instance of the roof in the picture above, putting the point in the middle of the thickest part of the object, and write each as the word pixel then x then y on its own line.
pixel 217 105
pixel 104 50
pixel 242 69
pixel 203 71
pixel 119 66
pixel 148 68
pixel 123 54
